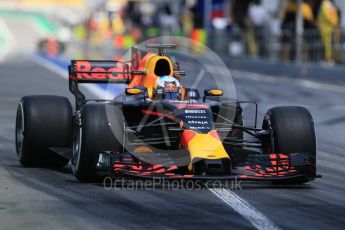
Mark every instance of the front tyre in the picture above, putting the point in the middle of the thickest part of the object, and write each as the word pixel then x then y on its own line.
pixel 92 133
pixel 292 131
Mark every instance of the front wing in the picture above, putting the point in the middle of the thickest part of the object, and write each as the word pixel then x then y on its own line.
pixel 259 167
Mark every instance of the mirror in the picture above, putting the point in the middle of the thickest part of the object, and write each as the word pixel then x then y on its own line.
pixel 213 92
pixel 133 91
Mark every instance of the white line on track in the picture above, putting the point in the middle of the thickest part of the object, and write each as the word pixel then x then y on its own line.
pixel 7 45
pixel 297 82
pixel 257 219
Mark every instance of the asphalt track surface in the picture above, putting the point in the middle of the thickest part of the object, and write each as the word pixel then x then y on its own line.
pixel 34 198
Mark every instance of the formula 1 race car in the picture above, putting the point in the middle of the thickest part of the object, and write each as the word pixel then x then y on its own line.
pixel 158 128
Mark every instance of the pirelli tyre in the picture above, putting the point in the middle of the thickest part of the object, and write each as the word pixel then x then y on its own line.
pixel 43 122
pixel 93 132
pixel 291 131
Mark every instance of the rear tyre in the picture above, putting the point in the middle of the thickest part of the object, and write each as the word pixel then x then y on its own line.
pixel 292 131
pixel 93 132
pixel 43 122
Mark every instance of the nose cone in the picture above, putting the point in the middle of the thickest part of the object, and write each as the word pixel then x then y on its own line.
pixel 204 146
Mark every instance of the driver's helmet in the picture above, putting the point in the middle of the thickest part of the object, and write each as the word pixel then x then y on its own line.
pixel 169 88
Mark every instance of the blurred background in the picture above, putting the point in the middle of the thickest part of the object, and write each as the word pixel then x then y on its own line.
pixel 302 31
pixel 280 53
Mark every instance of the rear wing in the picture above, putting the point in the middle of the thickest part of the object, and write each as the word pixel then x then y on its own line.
pixel 97 71
pixel 102 71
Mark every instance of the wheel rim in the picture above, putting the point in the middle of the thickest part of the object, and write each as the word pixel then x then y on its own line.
pixel 76 149
pixel 20 130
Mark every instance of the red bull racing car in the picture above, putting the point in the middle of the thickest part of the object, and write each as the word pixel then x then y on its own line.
pixel 158 128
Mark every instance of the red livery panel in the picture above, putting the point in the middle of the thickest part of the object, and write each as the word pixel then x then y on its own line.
pixel 99 71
